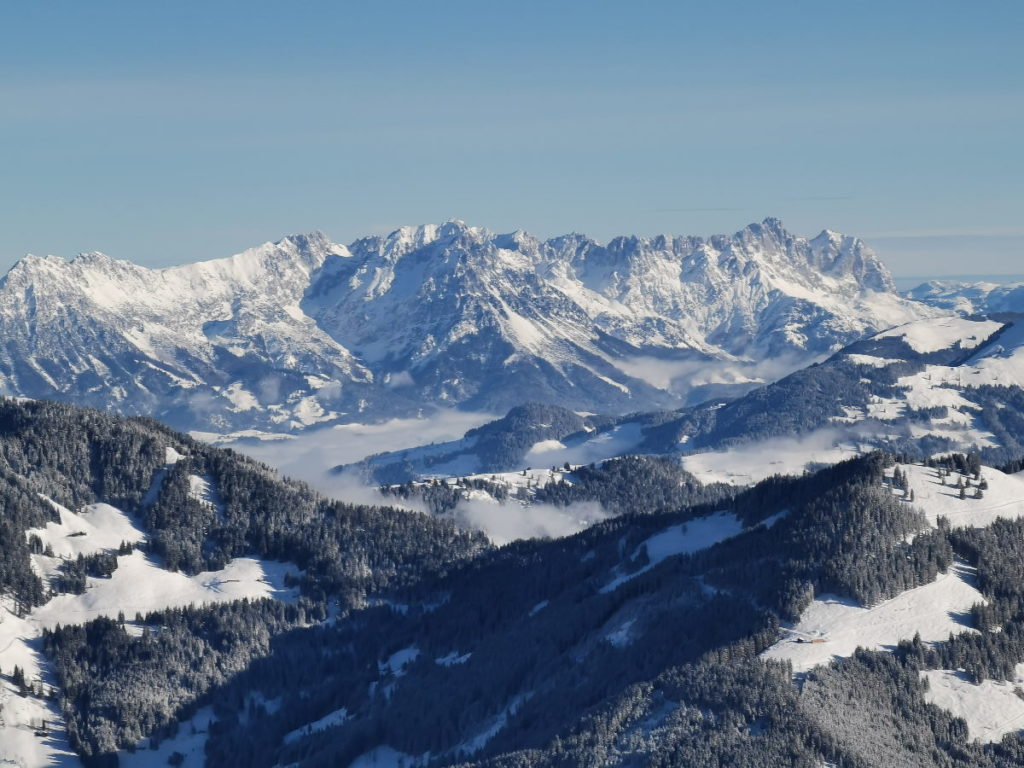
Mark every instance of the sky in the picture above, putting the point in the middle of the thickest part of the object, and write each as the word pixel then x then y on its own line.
pixel 168 133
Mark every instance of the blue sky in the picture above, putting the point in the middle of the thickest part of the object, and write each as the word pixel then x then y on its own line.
pixel 174 132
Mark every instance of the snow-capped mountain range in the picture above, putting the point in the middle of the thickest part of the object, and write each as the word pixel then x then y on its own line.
pixel 306 331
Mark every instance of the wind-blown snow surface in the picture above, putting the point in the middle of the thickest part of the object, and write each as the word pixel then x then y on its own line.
pixel 139 585
pixel 305 331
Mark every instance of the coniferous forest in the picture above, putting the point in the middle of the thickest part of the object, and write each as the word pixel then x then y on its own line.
pixel 569 652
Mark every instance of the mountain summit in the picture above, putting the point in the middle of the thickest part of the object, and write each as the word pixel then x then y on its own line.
pixel 306 331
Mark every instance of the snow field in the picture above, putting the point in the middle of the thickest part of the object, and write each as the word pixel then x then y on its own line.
pixel 833 627
pixel 940 333
pixel 1004 496
pixel 140 585
pixel 991 709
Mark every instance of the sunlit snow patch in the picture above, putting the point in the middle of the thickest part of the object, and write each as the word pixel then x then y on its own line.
pixel 941 333
pixel 330 720
pixel 682 539
pixel 1004 496
pixel 833 627
pixel 991 709
pixel 138 585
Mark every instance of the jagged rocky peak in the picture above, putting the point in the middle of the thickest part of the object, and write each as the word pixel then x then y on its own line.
pixel 575 255
pixel 92 258
pixel 404 240
pixel 842 255
pixel 770 230
pixel 306 331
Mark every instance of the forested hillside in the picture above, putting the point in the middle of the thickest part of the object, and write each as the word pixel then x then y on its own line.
pixel 173 512
pixel 636 639
pixel 673 633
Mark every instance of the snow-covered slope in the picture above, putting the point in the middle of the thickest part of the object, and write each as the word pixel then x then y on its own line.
pixel 971 298
pixel 935 385
pixel 31 727
pixel 763 290
pixel 217 342
pixel 834 627
pixel 991 708
pixel 304 331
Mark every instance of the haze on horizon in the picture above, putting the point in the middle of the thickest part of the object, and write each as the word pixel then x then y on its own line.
pixel 167 134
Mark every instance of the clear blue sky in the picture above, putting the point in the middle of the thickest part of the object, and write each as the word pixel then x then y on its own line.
pixel 165 133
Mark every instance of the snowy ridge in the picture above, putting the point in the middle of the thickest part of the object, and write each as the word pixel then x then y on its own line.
pixel 305 331
pixel 971 298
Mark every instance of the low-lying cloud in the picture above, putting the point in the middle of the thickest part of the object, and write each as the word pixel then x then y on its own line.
pixel 696 380
pixel 510 521
pixel 309 455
